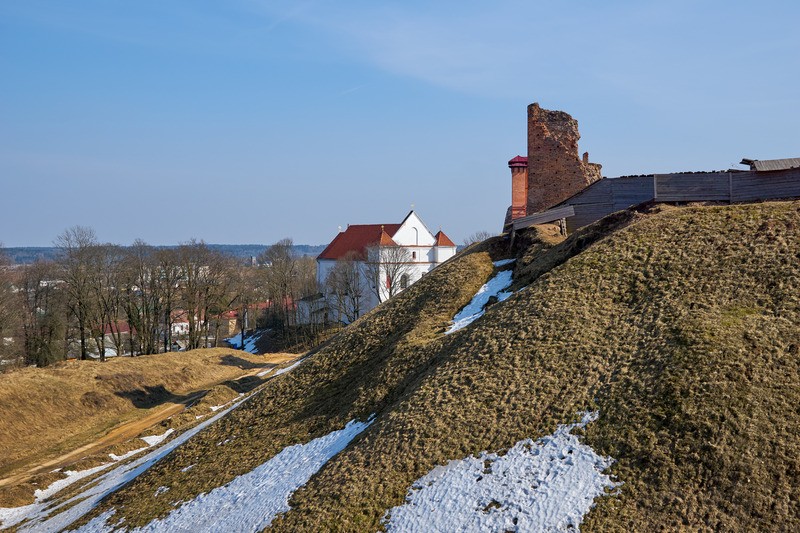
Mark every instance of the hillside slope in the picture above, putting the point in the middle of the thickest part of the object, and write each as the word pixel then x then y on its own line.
pixel 48 412
pixel 679 326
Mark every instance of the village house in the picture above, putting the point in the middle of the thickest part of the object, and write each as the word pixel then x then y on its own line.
pixel 179 323
pixel 367 264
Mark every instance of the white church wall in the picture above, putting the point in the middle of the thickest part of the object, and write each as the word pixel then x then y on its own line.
pixel 413 233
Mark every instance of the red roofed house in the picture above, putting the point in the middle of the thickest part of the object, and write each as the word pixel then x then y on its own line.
pixel 377 250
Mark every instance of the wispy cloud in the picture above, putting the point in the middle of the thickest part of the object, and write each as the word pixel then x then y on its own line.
pixel 503 49
pixel 513 48
pixel 351 90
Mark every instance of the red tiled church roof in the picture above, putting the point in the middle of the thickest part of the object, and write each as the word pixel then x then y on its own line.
pixel 356 238
pixel 443 240
pixel 385 240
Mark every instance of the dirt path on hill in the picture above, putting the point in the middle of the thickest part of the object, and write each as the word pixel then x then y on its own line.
pixel 127 430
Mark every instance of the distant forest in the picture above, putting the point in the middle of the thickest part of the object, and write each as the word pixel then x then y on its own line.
pixel 26 255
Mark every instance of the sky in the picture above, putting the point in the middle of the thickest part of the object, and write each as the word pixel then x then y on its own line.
pixel 248 121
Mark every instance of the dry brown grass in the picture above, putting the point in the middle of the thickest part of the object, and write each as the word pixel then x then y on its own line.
pixel 362 370
pixel 47 411
pixel 681 326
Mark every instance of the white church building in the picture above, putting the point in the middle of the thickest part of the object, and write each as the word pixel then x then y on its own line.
pixel 386 258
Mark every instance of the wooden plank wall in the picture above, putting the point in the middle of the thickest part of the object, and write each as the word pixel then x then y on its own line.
pixel 755 186
pixel 632 191
pixel 710 187
pixel 610 195
pixel 544 217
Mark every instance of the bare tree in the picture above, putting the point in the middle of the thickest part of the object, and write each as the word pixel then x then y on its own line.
pixel 106 308
pixel 9 319
pixel 139 286
pixel 306 276
pixel 310 314
pixel 205 288
pixel 220 293
pixel 478 236
pixel 76 245
pixel 245 297
pixel 169 277
pixel 282 281
pixel 345 287
pixel 191 258
pixel 6 295
pixel 388 270
pixel 43 313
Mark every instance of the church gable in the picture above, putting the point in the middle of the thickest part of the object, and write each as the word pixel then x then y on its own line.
pixel 413 232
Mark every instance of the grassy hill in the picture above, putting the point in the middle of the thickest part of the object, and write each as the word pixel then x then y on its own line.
pixel 681 327
pixel 48 412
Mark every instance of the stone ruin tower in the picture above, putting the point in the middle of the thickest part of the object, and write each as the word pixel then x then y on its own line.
pixel 553 171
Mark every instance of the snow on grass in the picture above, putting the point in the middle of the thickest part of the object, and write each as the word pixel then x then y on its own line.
pixel 117 458
pixel 11 516
pixel 154 440
pixel 280 370
pixel 44 516
pixel 14 515
pixel 544 485
pixel 475 308
pixel 251 501
pixel 215 408
pixel 287 369
pixel 72 477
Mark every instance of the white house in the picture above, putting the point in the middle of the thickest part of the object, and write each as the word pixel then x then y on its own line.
pixel 384 260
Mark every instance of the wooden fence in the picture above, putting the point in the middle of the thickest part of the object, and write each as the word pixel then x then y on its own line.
pixel 610 195
pixel 551 215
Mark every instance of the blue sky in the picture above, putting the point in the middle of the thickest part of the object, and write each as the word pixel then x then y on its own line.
pixel 247 121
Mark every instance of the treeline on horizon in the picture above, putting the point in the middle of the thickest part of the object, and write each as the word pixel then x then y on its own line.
pixel 92 297
pixel 23 255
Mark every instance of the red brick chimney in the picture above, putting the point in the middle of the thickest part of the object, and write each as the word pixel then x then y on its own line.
pixel 519 186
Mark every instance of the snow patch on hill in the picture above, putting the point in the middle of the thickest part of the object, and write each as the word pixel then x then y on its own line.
pixel 50 515
pixel 154 440
pixel 251 501
pixel 544 485
pixel 288 368
pixel 476 308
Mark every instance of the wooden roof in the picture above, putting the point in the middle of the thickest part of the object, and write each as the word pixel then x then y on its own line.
pixel 772 164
